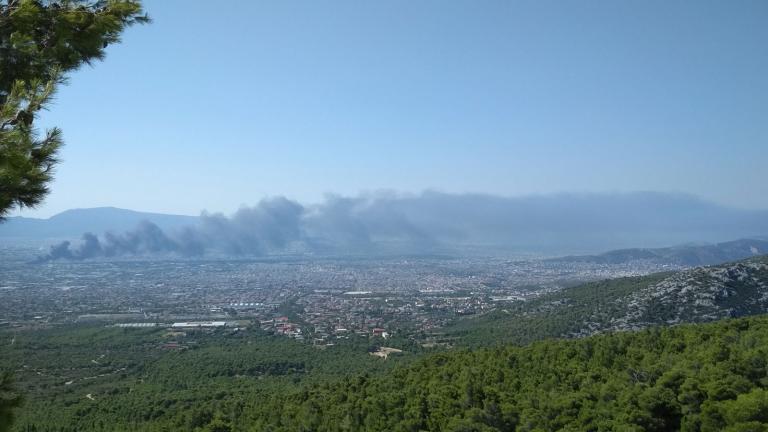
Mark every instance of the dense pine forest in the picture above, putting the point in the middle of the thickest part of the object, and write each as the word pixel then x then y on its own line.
pixel 709 377
pixel 701 377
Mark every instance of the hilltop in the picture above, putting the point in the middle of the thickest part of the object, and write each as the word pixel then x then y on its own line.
pixel 695 255
pixel 71 224
pixel 697 295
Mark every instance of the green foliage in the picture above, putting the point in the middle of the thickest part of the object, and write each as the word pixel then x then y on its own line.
pixel 136 382
pixel 709 377
pixel 9 399
pixel 26 161
pixel 40 41
pixel 703 377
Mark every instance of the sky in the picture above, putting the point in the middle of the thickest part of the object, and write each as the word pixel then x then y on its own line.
pixel 215 105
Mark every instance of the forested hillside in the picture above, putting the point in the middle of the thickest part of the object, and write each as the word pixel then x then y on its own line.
pixel 707 377
pixel 700 377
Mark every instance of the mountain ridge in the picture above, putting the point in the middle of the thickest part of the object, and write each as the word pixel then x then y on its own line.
pixel 687 255
pixel 73 223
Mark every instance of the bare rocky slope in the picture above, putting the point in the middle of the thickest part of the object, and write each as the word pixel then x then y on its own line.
pixel 700 294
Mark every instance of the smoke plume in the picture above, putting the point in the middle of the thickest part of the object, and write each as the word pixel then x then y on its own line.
pixel 433 222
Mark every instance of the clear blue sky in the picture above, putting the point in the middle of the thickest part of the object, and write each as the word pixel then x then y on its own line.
pixel 218 104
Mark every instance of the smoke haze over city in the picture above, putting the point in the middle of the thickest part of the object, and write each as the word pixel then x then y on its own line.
pixel 433 222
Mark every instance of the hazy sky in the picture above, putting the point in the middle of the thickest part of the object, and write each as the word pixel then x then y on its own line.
pixel 218 104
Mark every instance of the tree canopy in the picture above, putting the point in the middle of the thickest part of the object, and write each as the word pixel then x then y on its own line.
pixel 40 42
pixel 10 398
pixel 693 378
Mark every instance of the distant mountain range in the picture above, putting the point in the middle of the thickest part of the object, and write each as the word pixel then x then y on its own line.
pixel 432 222
pixel 695 255
pixel 71 224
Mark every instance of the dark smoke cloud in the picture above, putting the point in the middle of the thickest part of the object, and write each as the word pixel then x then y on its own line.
pixel 147 238
pixel 269 226
pixel 340 225
pixel 435 222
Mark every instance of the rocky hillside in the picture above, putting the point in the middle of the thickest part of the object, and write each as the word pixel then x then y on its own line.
pixel 697 295
pixel 694 255
pixel 700 294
